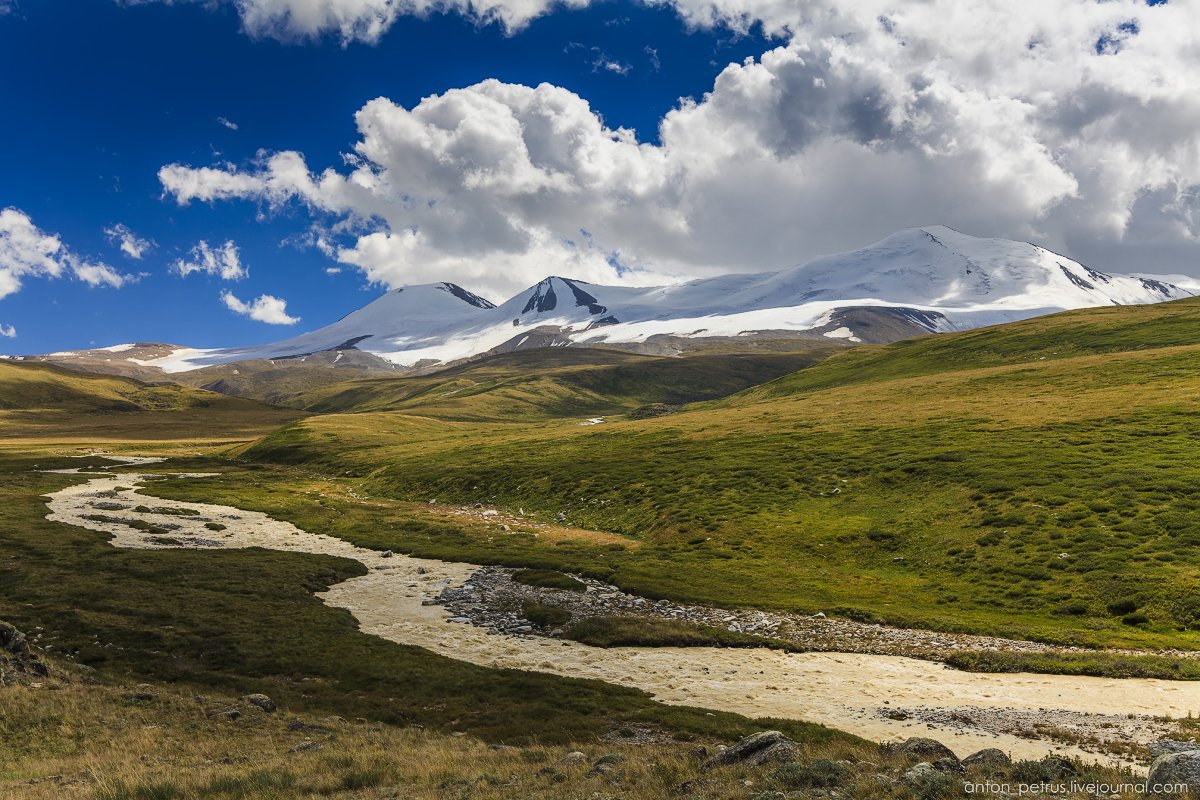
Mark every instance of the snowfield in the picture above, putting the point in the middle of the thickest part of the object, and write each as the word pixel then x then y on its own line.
pixel 932 280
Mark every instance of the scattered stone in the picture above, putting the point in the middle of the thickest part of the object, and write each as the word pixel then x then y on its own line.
pixel 261 701
pixel 386 554
pixel 306 747
pixel 575 757
pixel 226 713
pixel 765 747
pixel 699 752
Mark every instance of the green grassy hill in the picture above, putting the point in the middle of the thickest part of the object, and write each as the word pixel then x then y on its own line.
pixel 1040 479
pixel 41 400
pixel 1093 331
pixel 561 382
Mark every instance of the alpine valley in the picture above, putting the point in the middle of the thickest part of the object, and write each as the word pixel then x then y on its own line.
pixel 484 400
pixel 835 526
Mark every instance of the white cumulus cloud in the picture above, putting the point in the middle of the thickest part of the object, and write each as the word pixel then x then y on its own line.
pixel 265 308
pixel 1073 124
pixel 128 242
pixel 8 331
pixel 224 261
pixel 27 251
pixel 367 20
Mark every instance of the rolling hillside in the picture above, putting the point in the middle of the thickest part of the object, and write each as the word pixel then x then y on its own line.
pixel 1035 479
pixel 561 382
pixel 48 401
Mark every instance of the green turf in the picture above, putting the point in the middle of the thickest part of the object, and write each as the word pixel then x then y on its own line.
pixel 548 579
pixel 650 632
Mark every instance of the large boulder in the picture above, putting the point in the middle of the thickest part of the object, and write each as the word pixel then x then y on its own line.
pixel 12 640
pixel 261 701
pixel 766 747
pixel 1167 746
pixel 988 758
pixel 921 749
pixel 948 765
pixel 1058 767
pixel 1174 770
pixel 18 661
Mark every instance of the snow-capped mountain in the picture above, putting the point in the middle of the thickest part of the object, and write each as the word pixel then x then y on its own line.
pixel 919 280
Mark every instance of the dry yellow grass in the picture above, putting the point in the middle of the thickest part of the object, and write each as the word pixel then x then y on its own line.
pixel 70 739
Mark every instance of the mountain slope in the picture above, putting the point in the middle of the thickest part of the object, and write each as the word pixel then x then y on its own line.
pixel 920 280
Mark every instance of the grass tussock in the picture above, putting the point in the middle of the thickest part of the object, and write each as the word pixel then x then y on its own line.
pixel 1098 665
pixel 544 615
pixel 650 632
pixel 548 579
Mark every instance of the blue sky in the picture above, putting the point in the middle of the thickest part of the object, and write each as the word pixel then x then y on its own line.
pixel 113 93
pixel 1075 125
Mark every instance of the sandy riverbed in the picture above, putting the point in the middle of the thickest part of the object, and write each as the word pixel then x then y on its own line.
pixel 845 691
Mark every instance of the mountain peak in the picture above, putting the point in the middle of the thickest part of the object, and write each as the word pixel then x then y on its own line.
pixel 918 280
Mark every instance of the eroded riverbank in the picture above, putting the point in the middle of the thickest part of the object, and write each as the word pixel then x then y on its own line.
pixel 856 692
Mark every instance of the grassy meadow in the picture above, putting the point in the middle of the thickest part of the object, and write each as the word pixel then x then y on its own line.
pixel 1035 480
